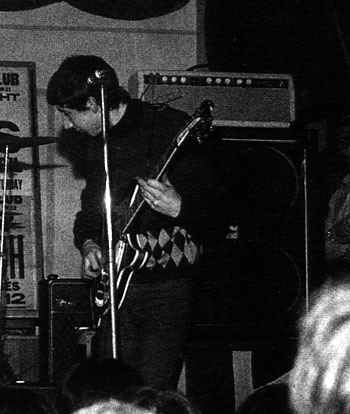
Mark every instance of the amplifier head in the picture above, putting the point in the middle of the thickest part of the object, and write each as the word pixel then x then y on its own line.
pixel 241 99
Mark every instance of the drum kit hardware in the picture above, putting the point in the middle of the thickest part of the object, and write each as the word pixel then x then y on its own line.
pixel 14 143
pixel 28 166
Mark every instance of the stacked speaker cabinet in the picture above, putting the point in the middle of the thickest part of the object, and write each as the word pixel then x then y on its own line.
pixel 261 277
pixel 256 284
pixel 65 313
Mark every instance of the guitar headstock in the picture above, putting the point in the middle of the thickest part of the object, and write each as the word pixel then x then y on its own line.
pixel 204 117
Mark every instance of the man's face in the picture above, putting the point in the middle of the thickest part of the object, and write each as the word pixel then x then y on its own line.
pixel 87 120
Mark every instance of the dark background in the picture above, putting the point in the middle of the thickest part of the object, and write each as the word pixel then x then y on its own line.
pixel 309 39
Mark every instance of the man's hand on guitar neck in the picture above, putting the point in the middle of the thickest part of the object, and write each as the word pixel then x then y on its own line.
pixel 161 196
pixel 92 259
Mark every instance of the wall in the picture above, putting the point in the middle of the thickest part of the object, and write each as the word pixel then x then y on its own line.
pixel 46 36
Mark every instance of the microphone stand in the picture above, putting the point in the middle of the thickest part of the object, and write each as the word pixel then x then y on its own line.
pixel 108 207
pixel 5 368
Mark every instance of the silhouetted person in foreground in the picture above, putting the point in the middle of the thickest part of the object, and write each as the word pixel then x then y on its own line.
pixel 320 380
pixel 94 380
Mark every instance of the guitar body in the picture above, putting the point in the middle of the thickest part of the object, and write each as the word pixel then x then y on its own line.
pixel 128 259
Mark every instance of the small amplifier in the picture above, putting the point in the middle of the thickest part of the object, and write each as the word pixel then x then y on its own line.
pixel 256 100
pixel 65 312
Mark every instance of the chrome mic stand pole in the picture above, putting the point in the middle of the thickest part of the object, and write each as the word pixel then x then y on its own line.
pixel 5 367
pixel 108 207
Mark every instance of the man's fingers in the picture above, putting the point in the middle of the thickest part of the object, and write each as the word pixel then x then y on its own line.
pixel 161 196
pixel 150 184
pixel 92 265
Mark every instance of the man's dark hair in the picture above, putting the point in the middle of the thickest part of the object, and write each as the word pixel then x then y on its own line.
pixel 69 86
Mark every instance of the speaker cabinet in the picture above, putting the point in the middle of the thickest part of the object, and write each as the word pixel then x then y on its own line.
pixel 65 313
pixel 258 281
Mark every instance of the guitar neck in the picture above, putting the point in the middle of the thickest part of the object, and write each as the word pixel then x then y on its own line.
pixel 137 202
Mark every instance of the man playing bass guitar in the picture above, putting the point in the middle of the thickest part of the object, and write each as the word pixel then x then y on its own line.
pixel 183 211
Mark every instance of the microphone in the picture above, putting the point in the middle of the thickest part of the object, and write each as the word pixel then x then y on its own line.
pixel 98 77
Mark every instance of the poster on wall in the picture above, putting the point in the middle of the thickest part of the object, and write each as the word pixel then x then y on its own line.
pixel 21 230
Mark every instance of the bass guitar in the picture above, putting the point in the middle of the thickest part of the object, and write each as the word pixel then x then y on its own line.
pixel 128 256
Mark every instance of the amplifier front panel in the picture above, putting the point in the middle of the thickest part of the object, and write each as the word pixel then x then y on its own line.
pixel 240 99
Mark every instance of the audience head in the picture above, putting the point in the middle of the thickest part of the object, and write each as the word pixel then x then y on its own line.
pixel 160 402
pixel 142 400
pixel 111 407
pixel 93 380
pixel 24 401
pixel 320 380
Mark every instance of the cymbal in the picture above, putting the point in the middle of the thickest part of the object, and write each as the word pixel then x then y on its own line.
pixel 15 143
